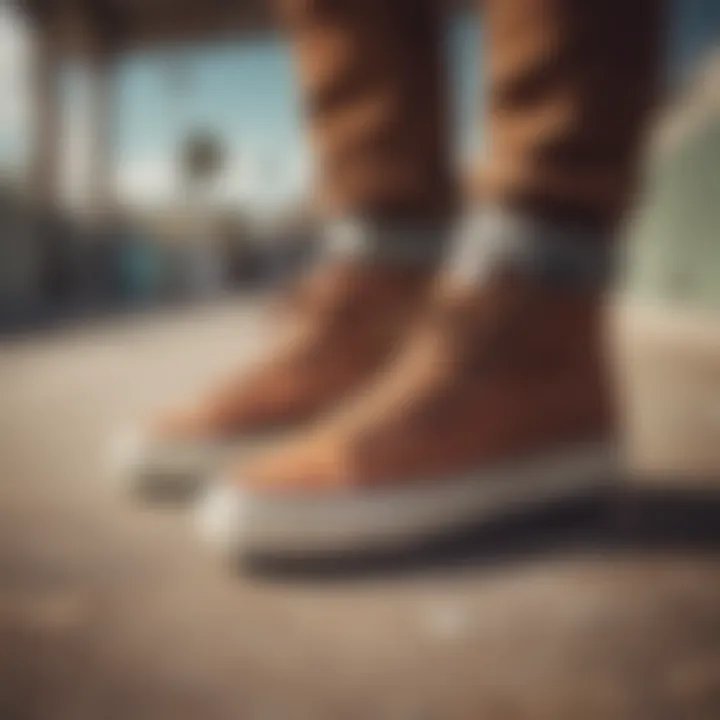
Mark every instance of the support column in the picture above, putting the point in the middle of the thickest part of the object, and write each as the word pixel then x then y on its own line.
pixel 44 168
pixel 102 198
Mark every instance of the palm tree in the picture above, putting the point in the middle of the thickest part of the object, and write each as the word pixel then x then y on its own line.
pixel 202 157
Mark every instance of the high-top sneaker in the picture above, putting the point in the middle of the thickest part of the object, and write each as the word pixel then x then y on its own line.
pixel 498 398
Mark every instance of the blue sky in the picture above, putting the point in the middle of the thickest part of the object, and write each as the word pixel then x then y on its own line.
pixel 246 93
pixel 248 96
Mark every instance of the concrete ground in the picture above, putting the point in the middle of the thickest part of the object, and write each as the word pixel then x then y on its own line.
pixel 110 610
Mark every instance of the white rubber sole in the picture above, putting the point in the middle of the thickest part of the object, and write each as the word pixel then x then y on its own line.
pixel 667 363
pixel 144 467
pixel 236 522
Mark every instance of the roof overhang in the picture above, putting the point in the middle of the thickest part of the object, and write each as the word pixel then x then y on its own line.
pixel 77 26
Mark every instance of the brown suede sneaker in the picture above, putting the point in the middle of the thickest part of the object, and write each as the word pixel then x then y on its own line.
pixel 343 322
pixel 499 397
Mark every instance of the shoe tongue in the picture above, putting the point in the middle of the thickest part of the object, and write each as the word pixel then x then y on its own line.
pixel 332 291
pixel 313 290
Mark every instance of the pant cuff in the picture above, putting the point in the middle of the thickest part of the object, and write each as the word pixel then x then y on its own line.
pixel 396 242
pixel 494 238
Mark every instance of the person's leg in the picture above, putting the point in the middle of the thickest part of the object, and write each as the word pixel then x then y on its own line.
pixel 499 396
pixel 571 90
pixel 571 84
pixel 371 74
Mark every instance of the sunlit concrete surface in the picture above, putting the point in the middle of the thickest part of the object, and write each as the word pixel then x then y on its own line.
pixel 112 610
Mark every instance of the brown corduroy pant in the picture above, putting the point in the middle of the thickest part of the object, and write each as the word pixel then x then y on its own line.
pixel 569 87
